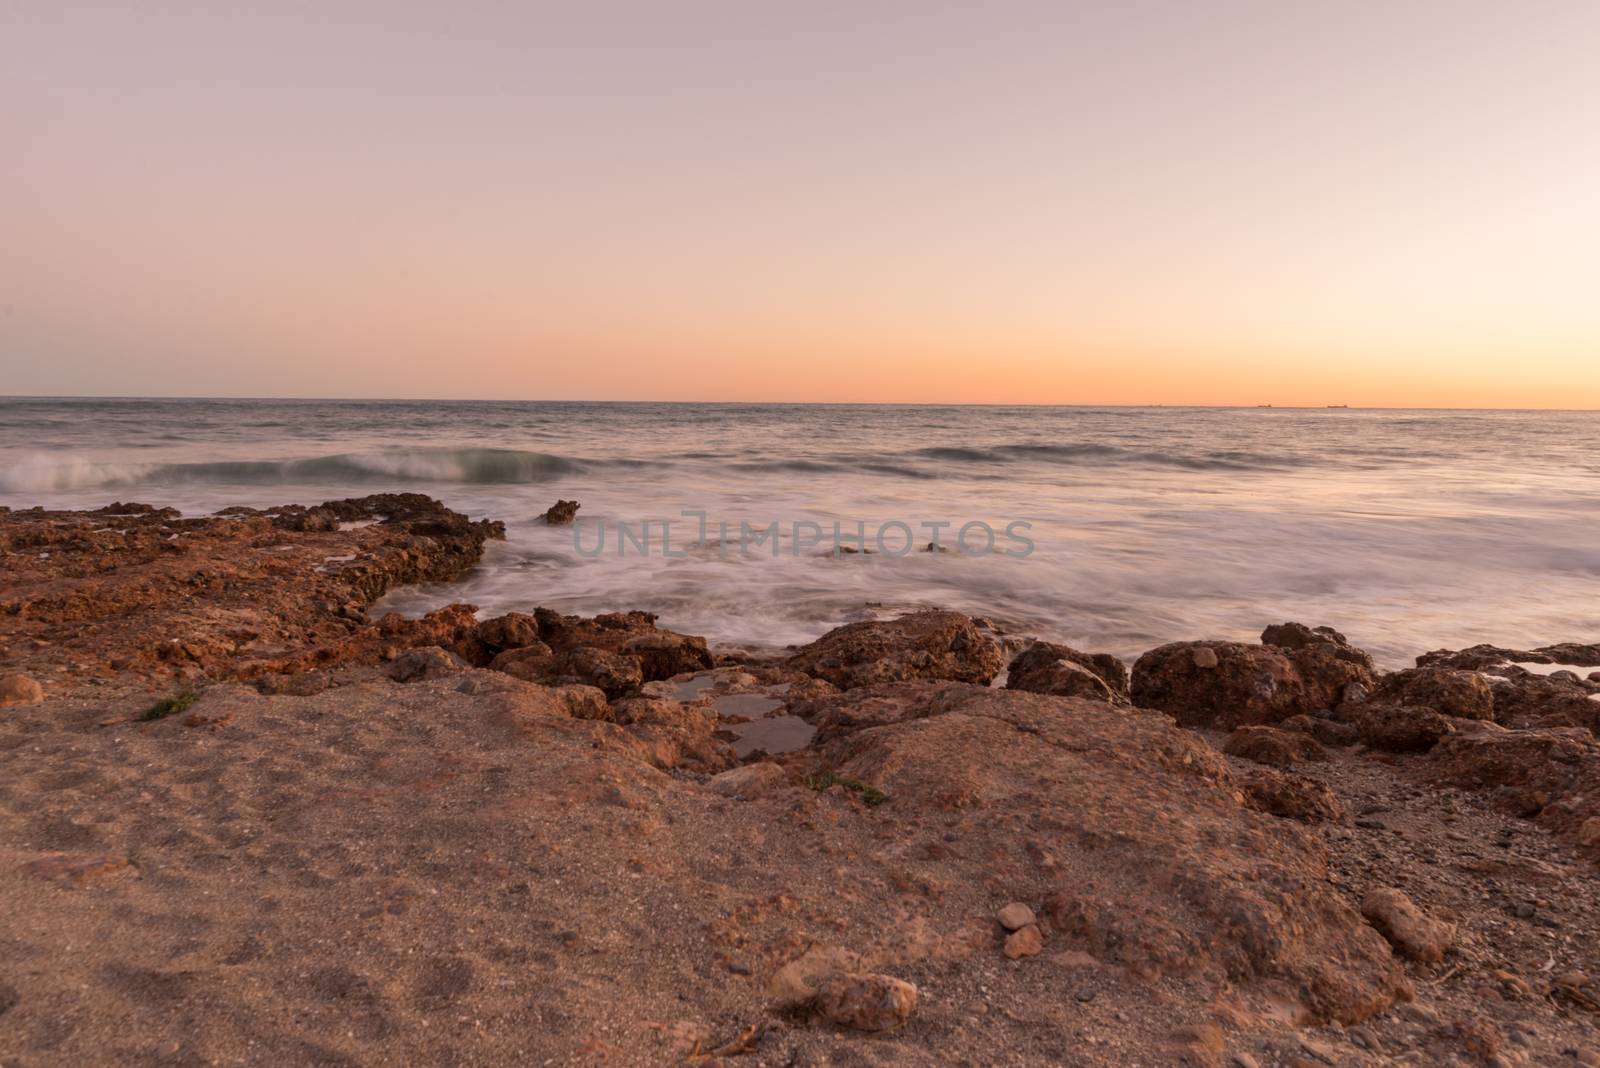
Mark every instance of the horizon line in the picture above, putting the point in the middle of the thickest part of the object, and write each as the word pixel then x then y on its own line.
pixel 774 403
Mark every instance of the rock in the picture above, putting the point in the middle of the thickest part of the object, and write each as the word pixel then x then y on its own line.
pixel 1546 774
pixel 1163 873
pixel 1269 745
pixel 663 654
pixel 1463 694
pixel 923 645
pixel 1407 927
pixel 798 982
pixel 19 690
pixel 514 630
pixel 1015 916
pixel 1218 684
pixel 562 512
pixel 1024 942
pixel 1061 670
pixel 1401 728
pixel 866 1002
pixel 1589 833
pixel 749 780
pixel 428 662
pixel 613 674
pixel 1292 797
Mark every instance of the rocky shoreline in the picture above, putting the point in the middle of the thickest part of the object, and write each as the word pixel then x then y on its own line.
pixel 246 822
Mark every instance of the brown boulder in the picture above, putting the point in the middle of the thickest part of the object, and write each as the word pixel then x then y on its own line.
pixel 1219 684
pixel 1463 694
pixel 1065 672
pixel 514 630
pixel 1547 773
pixel 664 653
pixel 1292 797
pixel 1269 745
pixel 427 662
pixel 930 644
pixel 1401 728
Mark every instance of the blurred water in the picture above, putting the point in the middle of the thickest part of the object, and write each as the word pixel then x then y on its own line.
pixel 1408 530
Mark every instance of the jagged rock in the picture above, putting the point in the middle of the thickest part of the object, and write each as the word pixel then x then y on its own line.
pixel 799 981
pixel 561 513
pixel 1293 797
pixel 1548 774
pixel 613 674
pixel 1270 745
pixel 923 645
pixel 1065 672
pixel 1401 728
pixel 1407 927
pixel 1463 694
pixel 1218 684
pixel 866 1002
pixel 19 690
pixel 427 662
pixel 514 630
pixel 663 654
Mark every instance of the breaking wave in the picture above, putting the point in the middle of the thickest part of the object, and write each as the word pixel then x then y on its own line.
pixel 471 466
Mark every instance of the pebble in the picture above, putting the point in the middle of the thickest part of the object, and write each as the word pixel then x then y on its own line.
pixel 19 690
pixel 1015 916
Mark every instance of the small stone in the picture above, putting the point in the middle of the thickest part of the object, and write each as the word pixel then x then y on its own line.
pixel 1205 657
pixel 1085 995
pixel 802 979
pixel 1024 942
pixel 1244 1060
pixel 1589 832
pixel 19 690
pixel 1015 916
pixel 867 1002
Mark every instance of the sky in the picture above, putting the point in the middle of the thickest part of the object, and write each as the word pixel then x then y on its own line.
pixel 1374 204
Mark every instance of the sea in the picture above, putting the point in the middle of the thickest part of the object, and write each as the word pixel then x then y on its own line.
pixel 1109 529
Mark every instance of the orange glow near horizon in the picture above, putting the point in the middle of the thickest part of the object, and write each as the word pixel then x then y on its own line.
pixel 1028 203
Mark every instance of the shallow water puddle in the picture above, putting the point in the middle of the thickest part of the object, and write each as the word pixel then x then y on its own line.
pixel 778 734
pixel 690 688
pixel 748 705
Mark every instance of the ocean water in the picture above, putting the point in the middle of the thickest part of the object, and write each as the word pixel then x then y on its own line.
pixel 1408 530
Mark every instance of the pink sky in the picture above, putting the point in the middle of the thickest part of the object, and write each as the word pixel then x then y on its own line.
pixel 1372 204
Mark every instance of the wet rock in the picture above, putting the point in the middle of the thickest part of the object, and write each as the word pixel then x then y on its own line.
pixel 1061 670
pixel 1463 694
pixel 1015 916
pixel 923 645
pixel 1401 728
pixel 18 690
pixel 1270 745
pixel 427 662
pixel 561 513
pixel 866 1002
pixel 1024 942
pixel 1292 797
pixel 1411 931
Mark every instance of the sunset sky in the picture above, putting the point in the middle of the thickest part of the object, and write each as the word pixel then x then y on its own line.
pixel 1388 204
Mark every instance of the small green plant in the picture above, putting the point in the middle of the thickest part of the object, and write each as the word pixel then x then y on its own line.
pixel 871 796
pixel 169 706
